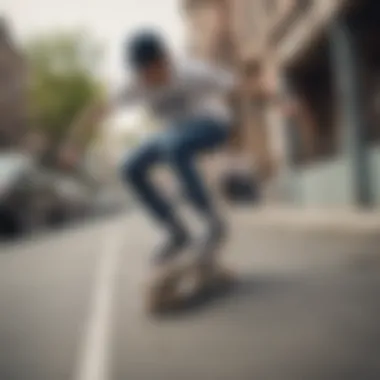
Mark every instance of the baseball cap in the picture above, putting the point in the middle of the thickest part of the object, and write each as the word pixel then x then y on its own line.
pixel 144 48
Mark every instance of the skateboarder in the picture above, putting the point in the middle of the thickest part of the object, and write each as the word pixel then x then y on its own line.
pixel 186 98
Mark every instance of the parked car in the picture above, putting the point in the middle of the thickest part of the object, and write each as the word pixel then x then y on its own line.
pixel 32 197
pixel 76 195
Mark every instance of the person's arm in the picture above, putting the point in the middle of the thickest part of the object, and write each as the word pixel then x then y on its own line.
pixel 71 149
pixel 89 120
pixel 92 116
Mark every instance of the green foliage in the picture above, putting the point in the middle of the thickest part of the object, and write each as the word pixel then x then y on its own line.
pixel 62 69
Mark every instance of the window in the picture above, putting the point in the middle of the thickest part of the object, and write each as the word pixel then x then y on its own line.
pixel 365 23
pixel 317 119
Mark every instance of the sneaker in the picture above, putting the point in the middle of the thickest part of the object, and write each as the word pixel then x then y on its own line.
pixel 171 248
pixel 214 238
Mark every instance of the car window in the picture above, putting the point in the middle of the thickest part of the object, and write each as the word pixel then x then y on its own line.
pixel 12 168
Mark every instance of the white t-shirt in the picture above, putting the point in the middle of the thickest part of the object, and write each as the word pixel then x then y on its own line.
pixel 196 89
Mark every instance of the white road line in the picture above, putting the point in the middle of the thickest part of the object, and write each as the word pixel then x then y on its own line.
pixel 94 359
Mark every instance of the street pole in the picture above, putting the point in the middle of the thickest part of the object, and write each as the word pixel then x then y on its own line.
pixel 346 71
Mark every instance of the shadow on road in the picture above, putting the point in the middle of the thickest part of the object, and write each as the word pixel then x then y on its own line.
pixel 244 287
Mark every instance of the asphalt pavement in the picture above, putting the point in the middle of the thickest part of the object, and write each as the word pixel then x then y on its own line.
pixel 306 306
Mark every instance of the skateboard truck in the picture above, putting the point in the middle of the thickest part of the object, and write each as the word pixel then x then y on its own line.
pixel 167 290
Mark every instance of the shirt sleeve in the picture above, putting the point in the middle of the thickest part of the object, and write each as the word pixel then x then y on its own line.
pixel 212 78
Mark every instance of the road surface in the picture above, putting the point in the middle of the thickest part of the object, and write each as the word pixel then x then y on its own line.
pixel 307 306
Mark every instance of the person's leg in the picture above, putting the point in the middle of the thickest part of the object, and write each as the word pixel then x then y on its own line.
pixel 136 172
pixel 191 139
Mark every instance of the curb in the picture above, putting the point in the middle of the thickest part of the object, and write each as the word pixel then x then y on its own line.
pixel 335 221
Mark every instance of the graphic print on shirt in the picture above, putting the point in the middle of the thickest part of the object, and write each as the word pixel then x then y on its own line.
pixel 172 103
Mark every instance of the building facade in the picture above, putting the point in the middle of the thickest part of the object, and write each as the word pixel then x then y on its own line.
pixel 13 102
pixel 323 55
pixel 221 31
pixel 209 32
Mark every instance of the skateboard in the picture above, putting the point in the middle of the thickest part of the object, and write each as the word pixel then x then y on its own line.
pixel 176 285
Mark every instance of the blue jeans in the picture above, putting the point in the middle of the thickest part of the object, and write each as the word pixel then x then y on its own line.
pixel 178 147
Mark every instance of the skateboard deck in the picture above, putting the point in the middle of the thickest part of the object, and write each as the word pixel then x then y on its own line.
pixel 181 285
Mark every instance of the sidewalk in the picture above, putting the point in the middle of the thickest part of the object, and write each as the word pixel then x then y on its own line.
pixel 304 307
pixel 308 219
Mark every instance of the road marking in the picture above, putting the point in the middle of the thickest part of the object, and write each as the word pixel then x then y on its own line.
pixel 94 359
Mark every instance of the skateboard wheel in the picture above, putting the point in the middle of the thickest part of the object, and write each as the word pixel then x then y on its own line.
pixel 162 291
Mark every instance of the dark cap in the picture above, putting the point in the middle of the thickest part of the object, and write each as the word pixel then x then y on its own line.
pixel 144 48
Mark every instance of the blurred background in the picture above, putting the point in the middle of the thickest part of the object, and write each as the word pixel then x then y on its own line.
pixel 300 183
pixel 312 143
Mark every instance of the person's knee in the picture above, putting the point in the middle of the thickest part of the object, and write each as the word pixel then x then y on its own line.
pixel 176 151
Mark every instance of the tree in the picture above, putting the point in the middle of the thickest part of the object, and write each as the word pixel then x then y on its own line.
pixel 62 69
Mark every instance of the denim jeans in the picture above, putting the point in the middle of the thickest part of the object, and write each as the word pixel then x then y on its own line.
pixel 178 147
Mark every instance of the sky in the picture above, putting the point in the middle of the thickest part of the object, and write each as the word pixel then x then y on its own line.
pixel 108 21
